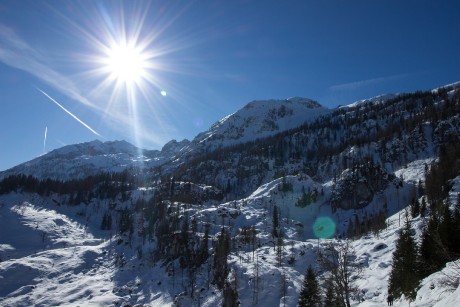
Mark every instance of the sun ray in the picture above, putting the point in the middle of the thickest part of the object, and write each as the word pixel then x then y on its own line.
pixel 128 54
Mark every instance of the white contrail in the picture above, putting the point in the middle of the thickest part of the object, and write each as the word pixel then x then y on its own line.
pixel 44 141
pixel 70 113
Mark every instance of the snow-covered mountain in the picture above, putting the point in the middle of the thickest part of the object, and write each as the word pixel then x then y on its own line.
pixel 239 213
pixel 81 160
pixel 260 119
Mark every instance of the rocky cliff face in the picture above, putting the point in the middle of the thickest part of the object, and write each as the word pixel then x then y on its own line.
pixel 356 186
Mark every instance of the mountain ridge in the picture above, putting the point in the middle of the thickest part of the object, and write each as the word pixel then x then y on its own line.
pixel 257 119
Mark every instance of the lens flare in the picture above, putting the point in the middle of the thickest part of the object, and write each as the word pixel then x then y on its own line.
pixel 324 227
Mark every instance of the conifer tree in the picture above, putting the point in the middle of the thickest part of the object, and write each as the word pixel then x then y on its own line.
pixel 414 208
pixel 275 222
pixel 204 244
pixel 430 258
pixel 330 297
pixel 446 228
pixel 230 291
pixel 423 208
pixel 279 248
pixel 404 278
pixel 221 252
pixel 440 239
pixel 310 295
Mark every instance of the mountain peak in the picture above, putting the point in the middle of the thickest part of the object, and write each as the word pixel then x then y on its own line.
pixel 270 103
pixel 310 103
pixel 259 119
pixel 173 147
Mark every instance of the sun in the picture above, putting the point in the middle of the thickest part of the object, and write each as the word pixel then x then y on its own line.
pixel 126 63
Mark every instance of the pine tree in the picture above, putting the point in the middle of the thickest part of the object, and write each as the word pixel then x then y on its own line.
pixel 204 253
pixel 275 222
pixel 125 222
pixel 279 248
pixel 230 294
pixel 310 295
pixel 331 298
pixel 446 228
pixel 423 208
pixel 221 252
pixel 404 278
pixel 414 204
pixel 420 188
pixel 414 208
pixel 430 257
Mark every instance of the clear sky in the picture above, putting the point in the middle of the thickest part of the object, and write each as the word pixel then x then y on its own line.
pixel 149 72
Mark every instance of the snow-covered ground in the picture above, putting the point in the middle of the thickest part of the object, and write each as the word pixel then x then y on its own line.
pixel 49 259
pixel 57 255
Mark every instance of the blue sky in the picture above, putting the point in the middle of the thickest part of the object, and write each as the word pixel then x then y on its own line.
pixel 59 84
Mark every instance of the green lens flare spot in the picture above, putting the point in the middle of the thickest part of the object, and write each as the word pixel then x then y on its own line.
pixel 324 228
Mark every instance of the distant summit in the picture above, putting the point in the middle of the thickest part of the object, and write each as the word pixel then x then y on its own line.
pixel 309 103
pixel 85 159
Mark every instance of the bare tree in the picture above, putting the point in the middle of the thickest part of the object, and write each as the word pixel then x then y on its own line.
pixel 337 258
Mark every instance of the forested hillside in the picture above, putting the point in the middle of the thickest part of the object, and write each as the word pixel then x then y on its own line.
pixel 362 191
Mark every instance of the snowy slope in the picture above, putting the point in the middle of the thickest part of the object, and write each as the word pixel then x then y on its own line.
pixel 48 258
pixel 74 263
pixel 376 99
pixel 385 97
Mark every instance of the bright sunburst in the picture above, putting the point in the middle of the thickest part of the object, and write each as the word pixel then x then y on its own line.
pixel 126 63
pixel 129 58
